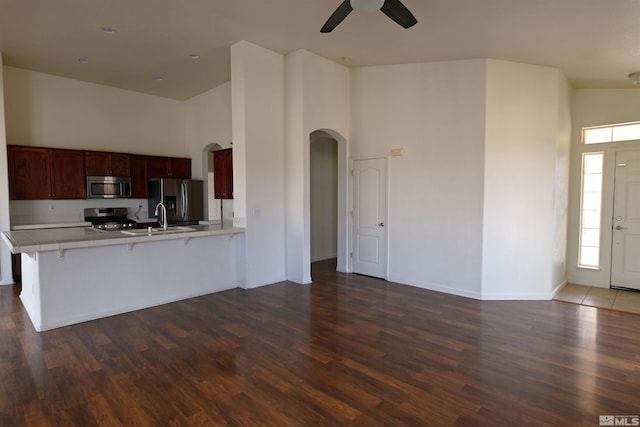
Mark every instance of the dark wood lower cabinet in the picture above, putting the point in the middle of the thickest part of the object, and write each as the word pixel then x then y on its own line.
pixel 16 265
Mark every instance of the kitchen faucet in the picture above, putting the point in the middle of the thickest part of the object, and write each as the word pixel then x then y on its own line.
pixel 163 220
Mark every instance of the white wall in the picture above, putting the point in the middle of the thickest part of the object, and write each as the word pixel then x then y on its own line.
pixel 257 98
pixel 6 274
pixel 593 107
pixel 317 98
pixel 436 112
pixel 324 197
pixel 561 198
pixel 440 113
pixel 207 121
pixel 208 124
pixel 50 111
pixel 524 183
pixel 478 202
pixel 297 252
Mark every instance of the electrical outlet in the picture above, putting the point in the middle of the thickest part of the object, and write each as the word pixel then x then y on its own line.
pixel 139 205
pixel 52 207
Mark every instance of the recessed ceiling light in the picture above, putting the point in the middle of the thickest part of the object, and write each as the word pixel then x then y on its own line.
pixel 158 79
pixel 108 30
pixel 83 61
pixel 194 56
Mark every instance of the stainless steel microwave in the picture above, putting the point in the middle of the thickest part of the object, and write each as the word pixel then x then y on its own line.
pixel 108 187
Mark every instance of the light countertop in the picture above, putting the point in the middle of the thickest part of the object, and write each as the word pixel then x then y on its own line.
pixel 53 239
pixel 58 224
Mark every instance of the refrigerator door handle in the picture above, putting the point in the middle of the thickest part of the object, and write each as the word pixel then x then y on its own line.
pixel 185 200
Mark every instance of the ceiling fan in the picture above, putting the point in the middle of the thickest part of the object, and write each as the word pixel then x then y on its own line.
pixel 394 9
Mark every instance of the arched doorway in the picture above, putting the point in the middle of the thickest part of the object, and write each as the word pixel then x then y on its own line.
pixel 328 220
pixel 323 174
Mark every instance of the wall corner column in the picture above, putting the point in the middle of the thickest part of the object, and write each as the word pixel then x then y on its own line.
pixel 6 272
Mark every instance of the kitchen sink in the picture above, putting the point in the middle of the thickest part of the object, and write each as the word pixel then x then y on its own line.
pixel 155 231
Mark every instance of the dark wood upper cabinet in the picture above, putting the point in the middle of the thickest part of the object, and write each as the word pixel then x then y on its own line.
pixel 145 167
pixel 68 174
pixel 223 174
pixel 29 173
pixel 111 164
pixel 181 168
pixel 139 177
pixel 169 167
pixel 37 173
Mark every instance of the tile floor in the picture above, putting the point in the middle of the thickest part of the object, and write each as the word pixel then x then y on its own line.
pixel 613 299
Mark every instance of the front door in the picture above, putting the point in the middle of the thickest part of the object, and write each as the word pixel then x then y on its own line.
pixel 369 217
pixel 625 253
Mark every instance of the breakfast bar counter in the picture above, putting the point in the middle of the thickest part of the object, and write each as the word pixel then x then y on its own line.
pixel 72 275
pixel 36 240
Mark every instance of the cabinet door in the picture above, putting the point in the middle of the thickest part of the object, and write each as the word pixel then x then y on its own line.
pixel 181 168
pixel 29 173
pixel 111 164
pixel 67 174
pixel 139 177
pixel 120 164
pixel 169 167
pixel 97 164
pixel 223 174
pixel 158 167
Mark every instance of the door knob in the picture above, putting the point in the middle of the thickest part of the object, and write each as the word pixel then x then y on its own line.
pixel 618 227
pixel 381 224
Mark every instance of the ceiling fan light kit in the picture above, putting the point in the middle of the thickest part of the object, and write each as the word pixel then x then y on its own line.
pixel 635 77
pixel 394 9
pixel 366 5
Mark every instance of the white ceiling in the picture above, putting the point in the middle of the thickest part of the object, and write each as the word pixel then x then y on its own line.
pixel 595 42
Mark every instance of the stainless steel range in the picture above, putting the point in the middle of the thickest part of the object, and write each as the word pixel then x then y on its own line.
pixel 108 219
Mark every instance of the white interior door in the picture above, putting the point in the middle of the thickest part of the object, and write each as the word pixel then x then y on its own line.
pixel 625 254
pixel 369 217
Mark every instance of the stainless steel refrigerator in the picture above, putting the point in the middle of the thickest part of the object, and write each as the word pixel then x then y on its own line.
pixel 181 197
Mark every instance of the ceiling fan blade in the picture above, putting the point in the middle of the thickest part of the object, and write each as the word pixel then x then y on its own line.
pixel 337 17
pixel 395 10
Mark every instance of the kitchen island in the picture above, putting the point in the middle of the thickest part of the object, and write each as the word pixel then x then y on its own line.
pixel 72 275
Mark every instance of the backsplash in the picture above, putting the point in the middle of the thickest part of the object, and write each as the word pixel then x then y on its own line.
pixel 214 209
pixel 53 211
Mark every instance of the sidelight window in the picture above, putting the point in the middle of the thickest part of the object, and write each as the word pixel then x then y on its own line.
pixel 590 210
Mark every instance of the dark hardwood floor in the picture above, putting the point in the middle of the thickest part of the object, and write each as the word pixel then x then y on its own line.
pixel 348 350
